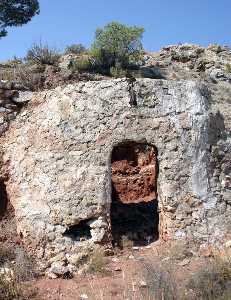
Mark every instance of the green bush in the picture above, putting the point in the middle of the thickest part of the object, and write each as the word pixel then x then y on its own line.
pixel 82 63
pixel 117 72
pixel 40 54
pixel 75 49
pixel 228 68
pixel 117 45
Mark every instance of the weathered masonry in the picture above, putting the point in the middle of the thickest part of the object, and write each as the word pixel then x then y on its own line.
pixel 84 167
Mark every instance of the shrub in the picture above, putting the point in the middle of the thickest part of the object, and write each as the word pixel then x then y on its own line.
pixel 75 49
pixel 12 275
pixel 179 250
pixel 40 54
pixel 28 77
pixel 6 253
pixel 24 267
pixel 117 45
pixel 212 281
pixel 160 282
pixel 9 288
pixel 117 72
pixel 82 63
pixel 11 63
pixel 97 261
pixel 228 68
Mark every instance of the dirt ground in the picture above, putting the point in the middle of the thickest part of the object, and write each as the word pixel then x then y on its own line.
pixel 124 277
pixel 135 273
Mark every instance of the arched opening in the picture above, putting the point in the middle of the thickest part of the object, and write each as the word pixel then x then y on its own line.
pixel 134 206
pixel 3 199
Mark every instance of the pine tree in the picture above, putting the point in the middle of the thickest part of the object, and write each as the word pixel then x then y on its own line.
pixel 16 13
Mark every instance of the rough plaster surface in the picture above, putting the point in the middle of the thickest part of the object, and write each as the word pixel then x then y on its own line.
pixel 58 161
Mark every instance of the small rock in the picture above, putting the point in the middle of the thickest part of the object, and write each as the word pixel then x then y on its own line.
pixel 166 258
pixel 75 259
pixel 58 257
pixel 115 259
pixel 131 256
pixel 143 284
pixel 184 262
pixel 140 258
pixel 170 209
pixel 84 297
pixel 117 269
pixel 51 275
pixel 72 268
pixel 136 248
pixel 58 268
pixel 228 244
pixel 7 273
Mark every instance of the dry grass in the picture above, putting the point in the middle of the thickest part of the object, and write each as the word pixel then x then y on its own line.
pixel 228 68
pixel 16 267
pixel 222 92
pixel 13 274
pixel 118 72
pixel 40 54
pixel 179 250
pixel 212 281
pixel 11 289
pixel 97 261
pixel 6 254
pixel 161 284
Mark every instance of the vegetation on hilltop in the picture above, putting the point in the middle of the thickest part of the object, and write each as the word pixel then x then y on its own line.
pixel 118 45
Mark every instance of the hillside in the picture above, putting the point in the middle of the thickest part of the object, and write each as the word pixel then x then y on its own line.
pixel 114 172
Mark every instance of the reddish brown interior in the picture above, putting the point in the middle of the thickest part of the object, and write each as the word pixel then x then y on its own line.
pixel 134 208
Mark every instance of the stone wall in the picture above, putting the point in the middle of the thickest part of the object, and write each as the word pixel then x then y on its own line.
pixel 58 160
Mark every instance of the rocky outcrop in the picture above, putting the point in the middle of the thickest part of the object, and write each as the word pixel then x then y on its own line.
pixel 12 99
pixel 60 169
pixel 212 65
pixel 189 61
pixel 94 162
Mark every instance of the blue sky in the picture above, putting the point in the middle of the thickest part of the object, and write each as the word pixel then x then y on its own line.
pixel 165 21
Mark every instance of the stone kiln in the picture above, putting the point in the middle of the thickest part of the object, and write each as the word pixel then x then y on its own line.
pixel 84 167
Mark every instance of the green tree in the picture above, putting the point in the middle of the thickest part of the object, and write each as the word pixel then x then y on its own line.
pixel 16 13
pixel 117 45
pixel 75 49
